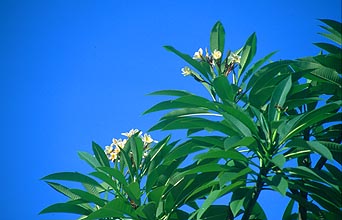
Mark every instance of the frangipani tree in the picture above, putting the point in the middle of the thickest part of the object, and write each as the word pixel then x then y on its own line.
pixel 267 126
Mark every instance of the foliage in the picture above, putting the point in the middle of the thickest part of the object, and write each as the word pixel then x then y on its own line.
pixel 267 126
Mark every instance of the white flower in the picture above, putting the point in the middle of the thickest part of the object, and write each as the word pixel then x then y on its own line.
pixel 186 71
pixel 130 133
pixel 198 55
pixel 234 58
pixel 147 139
pixel 119 142
pixel 108 149
pixel 112 156
pixel 216 54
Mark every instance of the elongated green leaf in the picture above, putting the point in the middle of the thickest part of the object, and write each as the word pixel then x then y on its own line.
pixel 100 155
pixel 258 212
pixel 288 211
pixel 116 208
pixel 235 141
pixel 210 199
pixel 223 88
pixel 171 93
pixel 321 149
pixel 217 37
pixel 89 197
pixel 116 174
pixel 240 115
pixel 215 212
pixel 90 159
pixel 230 154
pixel 248 53
pixel 66 208
pixel 184 112
pixel 279 184
pixel 319 72
pixel 237 125
pixel 329 48
pixel 267 72
pixel 64 190
pixel 214 195
pixel 192 123
pixel 279 160
pixel 279 97
pixel 197 65
pixel 72 176
pixel 335 25
pixel 256 66
pixel 237 200
pixel 299 123
pixel 305 172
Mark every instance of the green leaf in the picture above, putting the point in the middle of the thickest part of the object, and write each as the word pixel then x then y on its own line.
pixel 171 93
pixel 329 48
pixel 279 160
pixel 64 190
pixel 279 184
pixel 305 172
pixel 100 155
pixel 267 73
pixel 229 154
pixel 288 211
pixel 116 208
pixel 256 66
pixel 299 123
pixel 216 212
pixel 223 88
pixel 214 195
pixel 321 149
pixel 237 200
pixel 248 53
pixel 235 141
pixel 242 117
pixel 90 159
pixel 217 38
pixel 72 176
pixel 210 199
pixel 66 208
pixel 334 29
pixel 115 174
pixel 89 197
pixel 279 97
pixel 197 65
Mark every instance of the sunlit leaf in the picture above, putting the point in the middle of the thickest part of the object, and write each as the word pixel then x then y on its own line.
pixel 72 176
pixel 100 155
pixel 66 208
pixel 217 37
pixel 248 53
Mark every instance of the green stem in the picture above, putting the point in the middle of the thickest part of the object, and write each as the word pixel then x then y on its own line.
pixel 255 195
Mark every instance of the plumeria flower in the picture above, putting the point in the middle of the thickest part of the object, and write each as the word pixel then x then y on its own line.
pixel 112 156
pixel 216 54
pixel 119 142
pixel 186 71
pixel 147 139
pixel 234 58
pixel 198 55
pixel 108 149
pixel 130 133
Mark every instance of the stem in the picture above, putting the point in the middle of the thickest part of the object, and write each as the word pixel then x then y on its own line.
pixel 306 161
pixel 255 194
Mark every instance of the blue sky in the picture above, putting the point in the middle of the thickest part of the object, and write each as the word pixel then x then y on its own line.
pixel 72 72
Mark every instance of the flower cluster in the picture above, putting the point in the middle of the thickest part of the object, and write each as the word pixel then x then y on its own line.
pixel 211 59
pixel 113 150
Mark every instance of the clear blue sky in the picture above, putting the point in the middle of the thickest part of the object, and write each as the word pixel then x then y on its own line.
pixel 76 71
